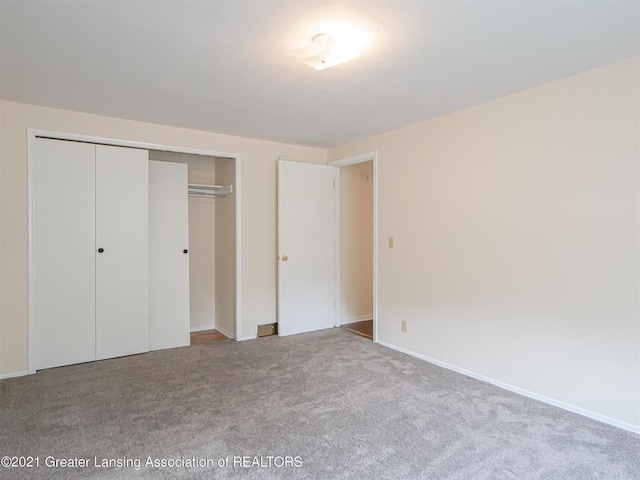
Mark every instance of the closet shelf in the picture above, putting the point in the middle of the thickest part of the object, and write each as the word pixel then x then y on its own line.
pixel 198 190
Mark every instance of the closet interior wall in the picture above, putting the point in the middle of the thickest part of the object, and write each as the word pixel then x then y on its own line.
pixel 225 249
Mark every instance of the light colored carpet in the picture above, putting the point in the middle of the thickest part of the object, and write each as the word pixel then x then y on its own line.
pixel 347 407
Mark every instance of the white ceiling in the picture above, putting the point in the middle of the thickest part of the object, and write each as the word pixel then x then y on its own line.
pixel 222 65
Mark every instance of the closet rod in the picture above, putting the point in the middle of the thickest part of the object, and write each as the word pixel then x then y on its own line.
pixel 198 190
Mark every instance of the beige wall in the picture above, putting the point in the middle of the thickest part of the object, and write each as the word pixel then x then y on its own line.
pixel 225 249
pixel 356 242
pixel 516 239
pixel 258 209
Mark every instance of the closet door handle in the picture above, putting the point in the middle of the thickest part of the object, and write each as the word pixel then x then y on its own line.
pixel 100 250
pixel 185 251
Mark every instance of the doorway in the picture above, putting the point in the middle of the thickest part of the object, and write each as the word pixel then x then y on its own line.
pixel 311 292
pixel 356 244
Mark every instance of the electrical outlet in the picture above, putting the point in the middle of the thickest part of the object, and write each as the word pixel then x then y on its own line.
pixel 403 326
pixel 390 242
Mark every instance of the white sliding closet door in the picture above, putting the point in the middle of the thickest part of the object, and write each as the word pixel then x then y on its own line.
pixel 122 268
pixel 169 322
pixel 64 252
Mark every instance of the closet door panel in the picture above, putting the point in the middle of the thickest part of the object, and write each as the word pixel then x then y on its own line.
pixel 64 253
pixel 169 322
pixel 122 268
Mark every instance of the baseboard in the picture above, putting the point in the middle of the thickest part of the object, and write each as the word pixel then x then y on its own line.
pixel 542 398
pixel 359 318
pixel 225 332
pixel 249 337
pixel 201 329
pixel 13 374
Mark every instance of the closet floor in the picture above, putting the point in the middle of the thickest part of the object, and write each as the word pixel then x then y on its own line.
pixel 207 336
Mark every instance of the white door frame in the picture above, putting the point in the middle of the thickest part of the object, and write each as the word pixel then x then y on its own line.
pixel 34 133
pixel 343 162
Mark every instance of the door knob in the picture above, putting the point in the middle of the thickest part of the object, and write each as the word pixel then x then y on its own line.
pixel 100 250
pixel 185 251
pixel 284 258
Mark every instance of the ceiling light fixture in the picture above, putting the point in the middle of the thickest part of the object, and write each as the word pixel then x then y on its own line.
pixel 332 45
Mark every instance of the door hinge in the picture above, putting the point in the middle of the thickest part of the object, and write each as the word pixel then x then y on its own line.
pixel 334 184
pixel 334 304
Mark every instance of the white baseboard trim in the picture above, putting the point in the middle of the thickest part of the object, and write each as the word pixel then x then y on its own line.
pixel 249 337
pixel 14 374
pixel 536 396
pixel 201 329
pixel 359 318
pixel 225 332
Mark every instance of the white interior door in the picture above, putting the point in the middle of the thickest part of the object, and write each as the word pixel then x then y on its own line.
pixel 306 245
pixel 169 324
pixel 65 252
pixel 122 267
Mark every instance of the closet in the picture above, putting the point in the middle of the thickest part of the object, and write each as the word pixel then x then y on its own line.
pixel 111 253
pixel 212 237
